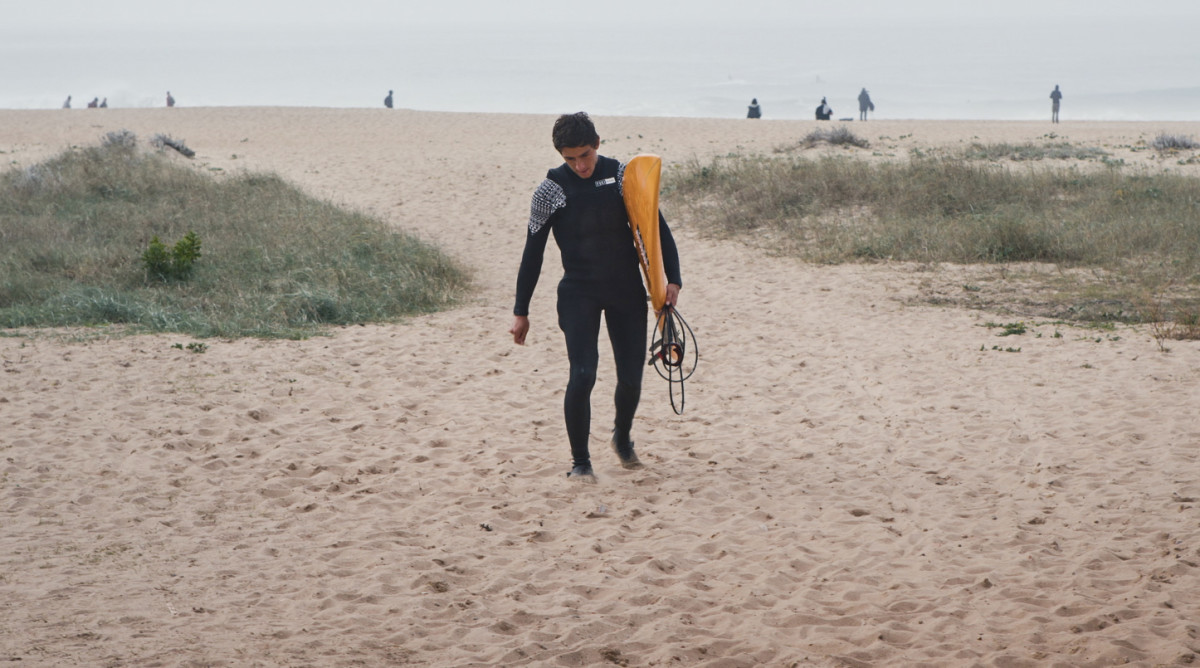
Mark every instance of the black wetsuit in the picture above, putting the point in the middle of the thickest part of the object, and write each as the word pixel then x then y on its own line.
pixel 600 273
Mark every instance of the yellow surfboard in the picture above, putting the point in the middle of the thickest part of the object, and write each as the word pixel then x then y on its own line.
pixel 640 189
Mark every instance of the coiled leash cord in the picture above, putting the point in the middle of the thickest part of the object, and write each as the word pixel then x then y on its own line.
pixel 673 353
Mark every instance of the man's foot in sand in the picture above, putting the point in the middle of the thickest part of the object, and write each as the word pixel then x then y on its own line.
pixel 625 453
pixel 582 473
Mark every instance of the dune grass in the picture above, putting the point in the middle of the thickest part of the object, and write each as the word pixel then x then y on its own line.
pixel 1142 228
pixel 273 262
pixel 836 136
pixel 1031 151
pixel 1170 142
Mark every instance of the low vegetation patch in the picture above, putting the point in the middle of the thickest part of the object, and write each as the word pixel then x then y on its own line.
pixel 1031 151
pixel 1169 142
pixel 1135 232
pixel 835 136
pixel 112 235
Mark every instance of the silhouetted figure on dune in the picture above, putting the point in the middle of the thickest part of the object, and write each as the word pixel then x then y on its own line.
pixel 864 104
pixel 824 111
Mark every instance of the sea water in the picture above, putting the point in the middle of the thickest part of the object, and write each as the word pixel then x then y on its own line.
pixel 918 68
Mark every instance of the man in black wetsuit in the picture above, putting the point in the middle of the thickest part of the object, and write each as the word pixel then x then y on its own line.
pixel 581 202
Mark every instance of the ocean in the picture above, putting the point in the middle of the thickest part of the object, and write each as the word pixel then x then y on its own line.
pixel 954 68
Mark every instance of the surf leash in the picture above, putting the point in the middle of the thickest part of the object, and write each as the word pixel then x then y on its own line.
pixel 673 353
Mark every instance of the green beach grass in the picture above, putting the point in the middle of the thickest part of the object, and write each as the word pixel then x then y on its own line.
pixel 273 262
pixel 1136 235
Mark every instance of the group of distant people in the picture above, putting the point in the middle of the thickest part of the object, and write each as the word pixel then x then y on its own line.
pixel 824 112
pixel 97 103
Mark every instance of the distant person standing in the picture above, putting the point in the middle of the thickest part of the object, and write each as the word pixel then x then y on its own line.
pixel 754 111
pixel 387 101
pixel 104 103
pixel 1055 100
pixel 864 104
pixel 824 111
pixel 67 104
pixel 170 100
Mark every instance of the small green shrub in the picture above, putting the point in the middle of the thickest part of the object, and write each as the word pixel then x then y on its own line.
pixel 174 264
pixel 1008 328
pixel 157 259
pixel 194 347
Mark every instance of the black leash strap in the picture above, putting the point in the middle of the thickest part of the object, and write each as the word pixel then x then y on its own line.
pixel 673 353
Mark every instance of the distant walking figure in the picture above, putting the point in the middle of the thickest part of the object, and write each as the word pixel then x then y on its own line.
pixel 754 111
pixel 864 104
pixel 67 104
pixel 170 100
pixel 104 103
pixel 1055 99
pixel 824 111
pixel 387 101
pixel 94 104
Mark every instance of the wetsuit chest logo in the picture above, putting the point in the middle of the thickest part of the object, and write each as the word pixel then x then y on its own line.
pixel 605 182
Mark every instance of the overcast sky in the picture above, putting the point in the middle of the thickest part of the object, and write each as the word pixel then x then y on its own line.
pixel 26 16
pixel 925 57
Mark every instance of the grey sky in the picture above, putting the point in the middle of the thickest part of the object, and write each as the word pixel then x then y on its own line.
pixel 920 58
pixel 25 16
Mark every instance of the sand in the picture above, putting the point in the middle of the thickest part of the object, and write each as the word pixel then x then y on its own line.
pixel 859 478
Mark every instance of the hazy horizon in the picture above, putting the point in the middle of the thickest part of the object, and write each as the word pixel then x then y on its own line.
pixel 924 59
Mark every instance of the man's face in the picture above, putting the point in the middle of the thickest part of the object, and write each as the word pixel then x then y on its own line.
pixel 581 159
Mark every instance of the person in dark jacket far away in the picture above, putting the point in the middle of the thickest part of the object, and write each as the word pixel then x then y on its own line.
pixel 824 111
pixel 864 104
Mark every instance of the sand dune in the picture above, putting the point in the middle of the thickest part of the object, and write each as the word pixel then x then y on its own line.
pixel 858 479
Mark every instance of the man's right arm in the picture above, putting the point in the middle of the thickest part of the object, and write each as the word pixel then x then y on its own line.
pixel 530 271
pixel 547 200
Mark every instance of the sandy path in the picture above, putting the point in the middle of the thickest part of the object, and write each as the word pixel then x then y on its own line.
pixel 857 481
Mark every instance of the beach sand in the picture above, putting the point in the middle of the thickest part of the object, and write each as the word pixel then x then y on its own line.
pixel 859 479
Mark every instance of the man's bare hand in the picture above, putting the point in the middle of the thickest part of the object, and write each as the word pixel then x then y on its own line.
pixel 672 294
pixel 519 329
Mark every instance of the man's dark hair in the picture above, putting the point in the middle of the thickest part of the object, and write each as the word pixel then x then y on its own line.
pixel 573 131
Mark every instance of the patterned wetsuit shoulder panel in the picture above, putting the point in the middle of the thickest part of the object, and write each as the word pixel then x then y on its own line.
pixel 548 198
